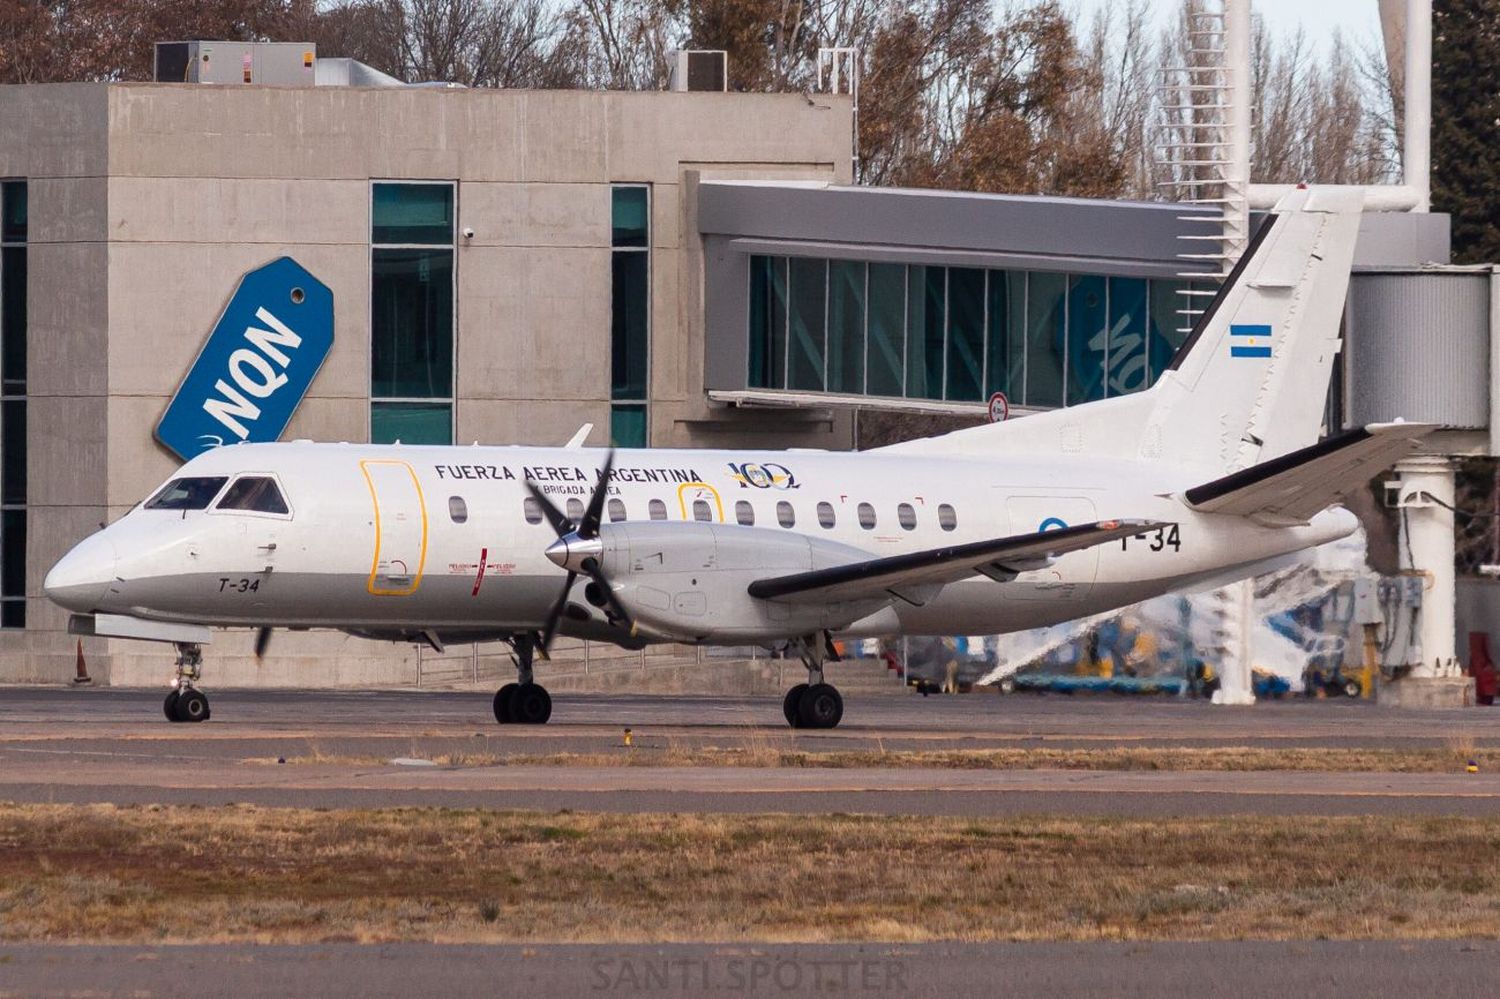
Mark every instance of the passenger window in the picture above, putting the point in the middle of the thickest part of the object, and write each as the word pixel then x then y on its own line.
pixel 867 516
pixel 744 513
pixel 616 510
pixel 947 517
pixel 907 516
pixel 701 510
pixel 575 509
pixel 533 511
pixel 255 494
pixel 657 509
pixel 458 510
pixel 825 514
pixel 785 515
pixel 187 494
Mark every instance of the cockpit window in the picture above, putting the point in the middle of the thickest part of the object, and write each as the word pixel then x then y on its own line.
pixel 254 493
pixel 187 494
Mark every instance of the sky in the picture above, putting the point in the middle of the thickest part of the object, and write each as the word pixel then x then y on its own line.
pixel 1358 20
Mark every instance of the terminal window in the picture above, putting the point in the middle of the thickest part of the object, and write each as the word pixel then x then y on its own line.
pixel 13 488
pixel 412 280
pixel 629 313
pixel 957 334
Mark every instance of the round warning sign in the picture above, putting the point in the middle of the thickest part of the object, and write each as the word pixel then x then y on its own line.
pixel 999 407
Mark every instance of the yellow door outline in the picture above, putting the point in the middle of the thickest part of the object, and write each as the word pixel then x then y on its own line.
pixel 364 467
pixel 682 502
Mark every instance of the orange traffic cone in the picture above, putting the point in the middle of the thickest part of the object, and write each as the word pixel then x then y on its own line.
pixel 83 670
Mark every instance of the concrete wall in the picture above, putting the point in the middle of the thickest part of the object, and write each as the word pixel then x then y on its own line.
pixel 148 202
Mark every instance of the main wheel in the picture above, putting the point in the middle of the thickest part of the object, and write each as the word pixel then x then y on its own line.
pixel 1352 688
pixel 790 703
pixel 820 706
pixel 170 705
pixel 502 703
pixel 531 704
pixel 192 706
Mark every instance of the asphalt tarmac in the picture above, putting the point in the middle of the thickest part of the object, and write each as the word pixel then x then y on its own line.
pixel 113 745
pixel 1428 969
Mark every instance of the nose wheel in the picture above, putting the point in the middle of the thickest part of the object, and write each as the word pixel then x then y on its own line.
pixel 524 702
pixel 185 702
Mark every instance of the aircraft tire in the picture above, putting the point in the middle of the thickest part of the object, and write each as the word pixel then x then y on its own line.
pixel 502 703
pixel 170 706
pixel 530 704
pixel 192 706
pixel 820 706
pixel 791 704
pixel 1352 688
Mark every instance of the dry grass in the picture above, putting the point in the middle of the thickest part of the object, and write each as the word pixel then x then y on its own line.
pixel 760 751
pixel 75 873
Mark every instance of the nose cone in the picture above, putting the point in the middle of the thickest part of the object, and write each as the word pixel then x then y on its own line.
pixel 81 578
pixel 572 552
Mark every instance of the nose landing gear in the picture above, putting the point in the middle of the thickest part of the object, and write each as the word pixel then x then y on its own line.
pixel 185 702
pixel 814 704
pixel 525 702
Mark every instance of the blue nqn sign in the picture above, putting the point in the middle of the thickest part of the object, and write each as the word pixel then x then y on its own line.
pixel 258 362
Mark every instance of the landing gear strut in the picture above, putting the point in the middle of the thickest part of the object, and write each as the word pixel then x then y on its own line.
pixel 185 702
pixel 524 702
pixel 813 704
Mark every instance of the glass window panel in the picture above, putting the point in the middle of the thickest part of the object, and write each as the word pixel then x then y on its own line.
pixel 627 426
pixel 1088 337
pixel 13 614
pixel 257 494
pixel 1169 327
pixel 867 516
pixel 947 517
pixel 657 510
pixel 13 211
pixel 193 493
pixel 1007 334
pixel 13 553
pixel 630 207
pixel 805 337
pixel 744 513
pixel 412 213
pixel 616 508
pixel 785 515
pixel 532 510
pixel 1129 348
pixel 13 319
pixel 574 508
pixel 925 287
pixel 965 334
pixel 702 511
pixel 761 330
pixel 629 316
pixel 411 422
pixel 13 444
pixel 1045 338
pixel 887 330
pixel 411 324
pixel 825 514
pixel 846 326
pixel 458 510
pixel 906 515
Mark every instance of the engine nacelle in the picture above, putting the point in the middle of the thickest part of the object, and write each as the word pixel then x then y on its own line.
pixel 684 581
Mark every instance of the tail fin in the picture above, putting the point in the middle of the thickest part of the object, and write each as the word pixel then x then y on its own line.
pixel 1250 382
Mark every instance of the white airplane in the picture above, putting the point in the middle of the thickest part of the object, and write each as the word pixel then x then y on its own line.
pixel 1214 474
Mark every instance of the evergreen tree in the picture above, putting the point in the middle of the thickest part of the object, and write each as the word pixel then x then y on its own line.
pixel 1466 124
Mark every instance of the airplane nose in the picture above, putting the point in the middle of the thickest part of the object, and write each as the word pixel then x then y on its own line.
pixel 81 578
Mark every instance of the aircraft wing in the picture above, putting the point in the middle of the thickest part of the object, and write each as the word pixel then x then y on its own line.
pixel 1295 487
pixel 907 575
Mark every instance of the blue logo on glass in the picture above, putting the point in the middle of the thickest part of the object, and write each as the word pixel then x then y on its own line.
pixel 258 362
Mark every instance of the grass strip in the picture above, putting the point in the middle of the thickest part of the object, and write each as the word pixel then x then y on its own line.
pixel 242 873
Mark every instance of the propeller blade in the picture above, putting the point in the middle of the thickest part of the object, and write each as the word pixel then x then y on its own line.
pixel 588 527
pixel 550 631
pixel 262 642
pixel 610 597
pixel 559 521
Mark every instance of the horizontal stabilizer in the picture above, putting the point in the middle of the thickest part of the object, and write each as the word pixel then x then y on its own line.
pixel 900 575
pixel 1295 487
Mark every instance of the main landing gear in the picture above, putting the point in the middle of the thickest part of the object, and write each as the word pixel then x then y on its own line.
pixel 814 704
pixel 186 703
pixel 524 702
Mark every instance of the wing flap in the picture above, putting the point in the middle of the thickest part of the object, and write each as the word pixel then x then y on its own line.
pixel 1297 486
pixel 895 575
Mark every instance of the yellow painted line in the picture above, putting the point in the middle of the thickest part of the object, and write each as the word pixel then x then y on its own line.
pixel 682 498
pixel 422 508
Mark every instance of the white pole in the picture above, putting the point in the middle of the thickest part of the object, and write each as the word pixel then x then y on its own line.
pixel 1416 154
pixel 1427 547
pixel 1241 107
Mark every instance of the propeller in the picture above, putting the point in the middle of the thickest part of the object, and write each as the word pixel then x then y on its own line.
pixel 578 550
pixel 262 642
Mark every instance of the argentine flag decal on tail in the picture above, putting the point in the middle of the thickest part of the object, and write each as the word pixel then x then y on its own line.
pixel 1249 340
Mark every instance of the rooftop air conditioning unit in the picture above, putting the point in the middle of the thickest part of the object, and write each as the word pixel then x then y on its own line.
pixel 699 70
pixel 285 64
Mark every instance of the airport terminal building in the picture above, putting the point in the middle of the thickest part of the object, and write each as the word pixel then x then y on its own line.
pixel 676 268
